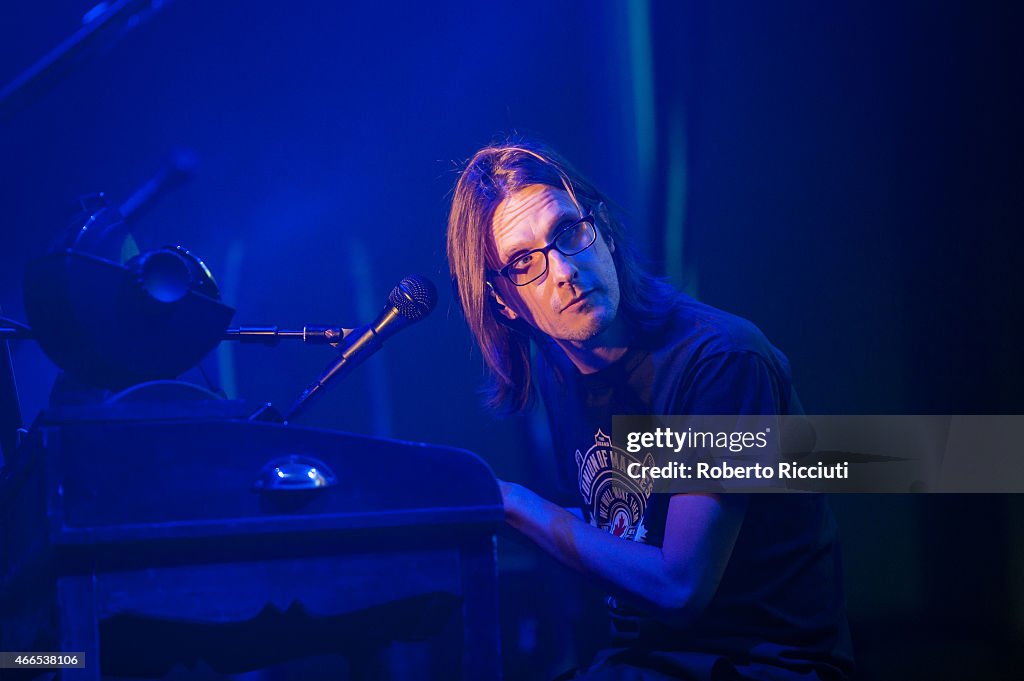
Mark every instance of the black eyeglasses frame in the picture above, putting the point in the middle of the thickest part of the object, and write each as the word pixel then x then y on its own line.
pixel 552 245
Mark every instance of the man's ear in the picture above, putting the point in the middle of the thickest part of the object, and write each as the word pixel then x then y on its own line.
pixel 496 300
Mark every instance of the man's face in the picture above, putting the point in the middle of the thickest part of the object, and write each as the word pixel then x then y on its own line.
pixel 577 299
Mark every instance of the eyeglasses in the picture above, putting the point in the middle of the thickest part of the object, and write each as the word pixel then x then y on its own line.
pixel 574 238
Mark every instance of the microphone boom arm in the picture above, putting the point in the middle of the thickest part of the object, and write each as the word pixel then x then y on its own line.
pixel 272 335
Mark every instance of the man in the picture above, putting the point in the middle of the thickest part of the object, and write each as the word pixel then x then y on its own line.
pixel 704 586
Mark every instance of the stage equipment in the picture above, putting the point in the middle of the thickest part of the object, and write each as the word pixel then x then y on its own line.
pixel 10 407
pixel 164 525
pixel 101 28
pixel 161 527
pixel 112 317
pixel 410 301
pixel 272 335
pixel 179 167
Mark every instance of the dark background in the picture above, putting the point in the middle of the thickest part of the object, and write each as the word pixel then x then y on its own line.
pixel 846 175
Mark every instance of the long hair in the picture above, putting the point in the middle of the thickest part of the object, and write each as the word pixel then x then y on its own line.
pixel 492 174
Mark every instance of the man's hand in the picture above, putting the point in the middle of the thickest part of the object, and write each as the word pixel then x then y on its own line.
pixel 511 494
pixel 678 579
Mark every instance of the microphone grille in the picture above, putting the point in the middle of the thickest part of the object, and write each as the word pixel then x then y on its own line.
pixel 414 297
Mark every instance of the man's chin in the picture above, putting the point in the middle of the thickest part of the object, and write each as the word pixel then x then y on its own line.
pixel 591 329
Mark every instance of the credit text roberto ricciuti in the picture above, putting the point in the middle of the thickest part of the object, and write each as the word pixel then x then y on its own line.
pixel 723 470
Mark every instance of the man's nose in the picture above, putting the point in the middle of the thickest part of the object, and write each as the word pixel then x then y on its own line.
pixel 563 267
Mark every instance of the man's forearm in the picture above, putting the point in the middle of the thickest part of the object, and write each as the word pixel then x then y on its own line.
pixel 637 569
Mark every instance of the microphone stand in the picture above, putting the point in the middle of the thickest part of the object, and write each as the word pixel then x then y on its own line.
pixel 11 421
pixel 365 342
pixel 272 336
pixel 109 24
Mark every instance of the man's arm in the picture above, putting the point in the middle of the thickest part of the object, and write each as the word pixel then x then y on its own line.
pixel 678 579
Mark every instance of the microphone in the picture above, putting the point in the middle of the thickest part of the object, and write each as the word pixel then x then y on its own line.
pixel 410 301
pixel 179 168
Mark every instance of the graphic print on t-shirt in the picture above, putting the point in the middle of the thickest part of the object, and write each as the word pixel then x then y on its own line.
pixel 616 501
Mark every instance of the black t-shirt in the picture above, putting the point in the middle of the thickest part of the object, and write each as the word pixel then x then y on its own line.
pixel 778 611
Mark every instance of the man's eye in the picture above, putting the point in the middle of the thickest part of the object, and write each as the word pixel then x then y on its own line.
pixel 573 235
pixel 523 261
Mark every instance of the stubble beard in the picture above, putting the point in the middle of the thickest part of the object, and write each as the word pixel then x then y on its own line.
pixel 589 329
